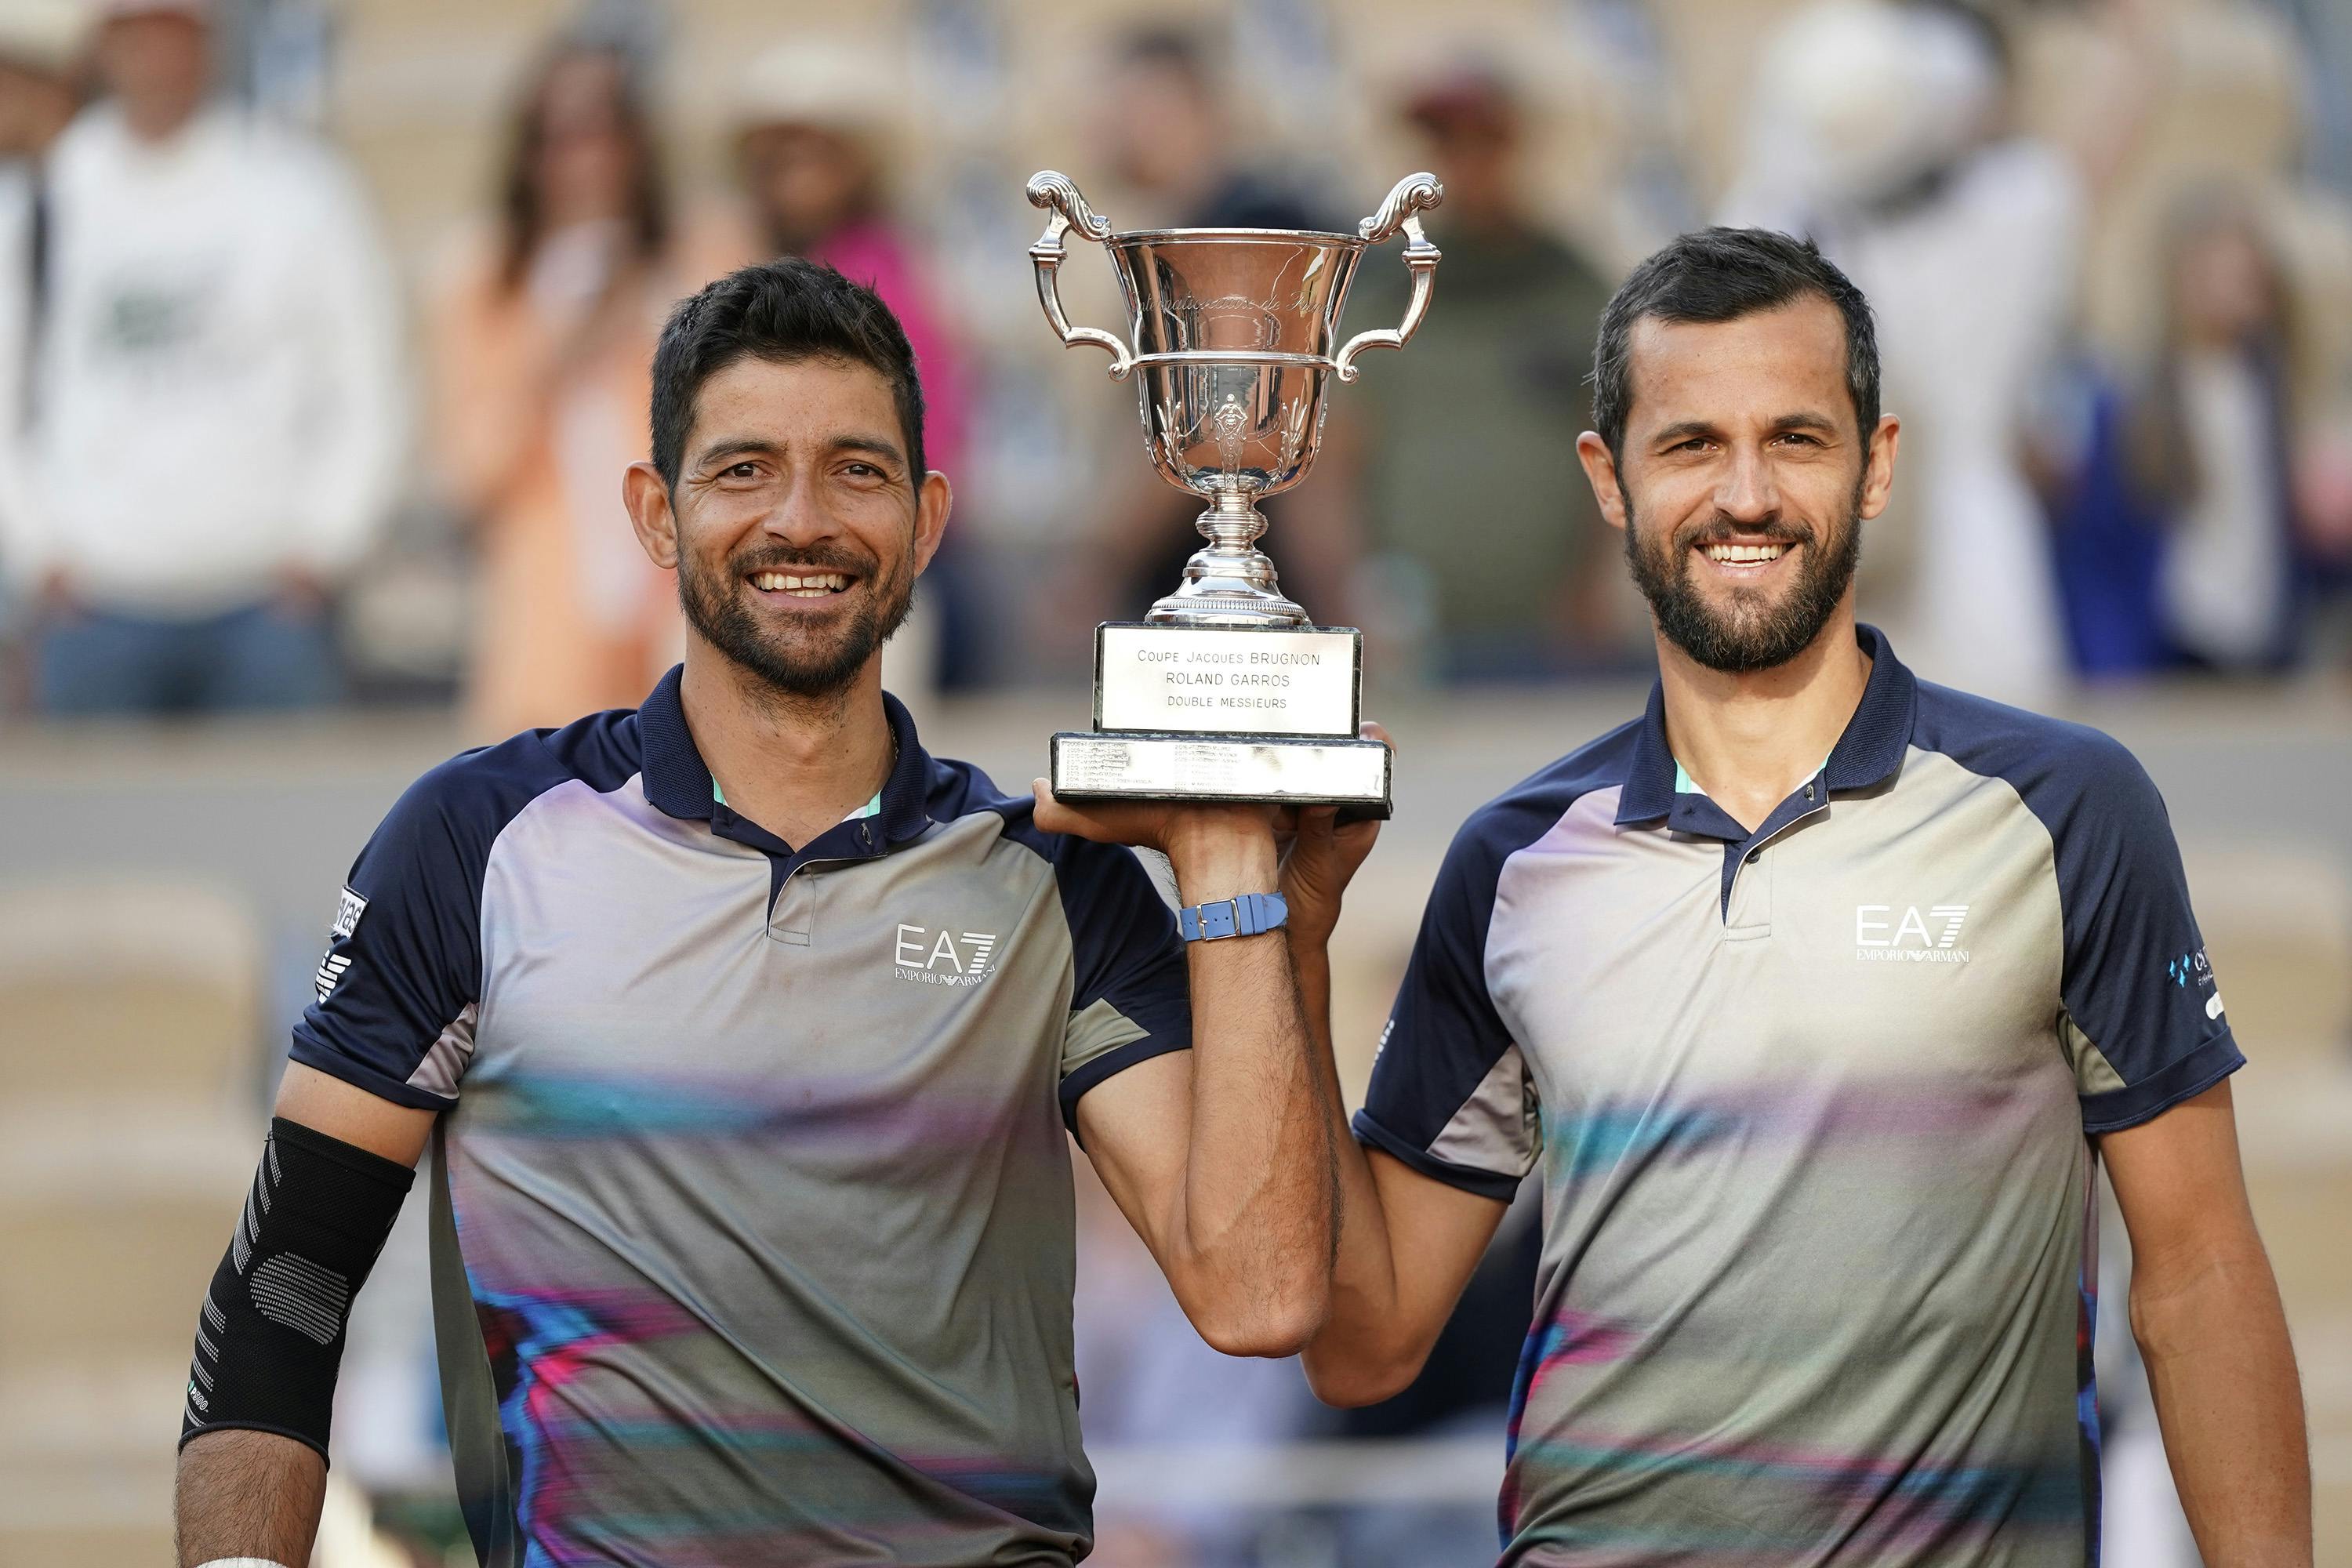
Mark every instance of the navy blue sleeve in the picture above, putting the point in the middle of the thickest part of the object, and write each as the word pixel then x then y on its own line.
pixel 398 988
pixel 1131 997
pixel 2143 1013
pixel 1450 1095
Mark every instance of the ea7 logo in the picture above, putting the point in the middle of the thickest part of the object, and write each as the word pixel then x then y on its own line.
pixel 1913 937
pixel 943 957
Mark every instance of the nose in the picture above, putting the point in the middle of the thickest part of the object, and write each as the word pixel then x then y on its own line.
pixel 800 516
pixel 1748 493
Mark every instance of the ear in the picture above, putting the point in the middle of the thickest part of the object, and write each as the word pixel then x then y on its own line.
pixel 1878 471
pixel 650 513
pixel 931 503
pixel 1600 473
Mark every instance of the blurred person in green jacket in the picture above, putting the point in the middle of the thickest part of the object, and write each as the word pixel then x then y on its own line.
pixel 1454 512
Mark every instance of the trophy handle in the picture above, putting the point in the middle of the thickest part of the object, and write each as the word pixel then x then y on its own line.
pixel 1059 191
pixel 1413 194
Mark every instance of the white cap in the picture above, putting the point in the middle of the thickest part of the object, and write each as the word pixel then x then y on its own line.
pixel 44 36
pixel 832 84
pixel 1874 94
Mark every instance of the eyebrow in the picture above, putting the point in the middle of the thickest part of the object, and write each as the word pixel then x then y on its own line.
pixel 1686 429
pixel 879 446
pixel 757 446
pixel 735 446
pixel 1683 430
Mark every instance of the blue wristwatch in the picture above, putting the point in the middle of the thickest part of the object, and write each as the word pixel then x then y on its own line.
pixel 1247 914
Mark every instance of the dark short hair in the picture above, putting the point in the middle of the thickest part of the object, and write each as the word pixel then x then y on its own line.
pixel 781 312
pixel 1722 275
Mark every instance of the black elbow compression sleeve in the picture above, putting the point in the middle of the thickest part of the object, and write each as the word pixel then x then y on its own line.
pixel 270 1332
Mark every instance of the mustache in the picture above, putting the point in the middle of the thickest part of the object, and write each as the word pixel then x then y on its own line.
pixel 1727 533
pixel 1721 530
pixel 850 562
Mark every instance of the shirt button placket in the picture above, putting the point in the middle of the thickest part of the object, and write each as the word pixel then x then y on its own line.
pixel 1751 897
pixel 796 913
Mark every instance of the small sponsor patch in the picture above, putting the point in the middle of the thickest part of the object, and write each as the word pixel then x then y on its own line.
pixel 348 910
pixel 331 972
pixel 2189 966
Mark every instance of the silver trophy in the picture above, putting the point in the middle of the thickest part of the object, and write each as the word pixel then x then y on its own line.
pixel 1226 690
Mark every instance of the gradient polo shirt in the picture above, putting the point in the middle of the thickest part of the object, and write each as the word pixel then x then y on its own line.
pixel 752 1218
pixel 1811 1105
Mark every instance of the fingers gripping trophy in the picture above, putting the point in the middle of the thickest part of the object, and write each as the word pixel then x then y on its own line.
pixel 1226 692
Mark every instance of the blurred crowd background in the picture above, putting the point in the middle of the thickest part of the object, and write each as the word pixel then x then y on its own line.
pixel 324 329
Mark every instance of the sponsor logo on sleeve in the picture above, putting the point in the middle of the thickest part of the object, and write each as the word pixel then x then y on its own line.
pixel 330 974
pixel 941 956
pixel 2192 970
pixel 1909 933
pixel 348 910
pixel 2189 968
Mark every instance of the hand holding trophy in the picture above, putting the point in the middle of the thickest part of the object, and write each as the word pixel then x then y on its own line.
pixel 1226 692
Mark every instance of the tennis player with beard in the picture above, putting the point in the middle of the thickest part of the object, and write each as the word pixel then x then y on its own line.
pixel 745 1035
pixel 1816 994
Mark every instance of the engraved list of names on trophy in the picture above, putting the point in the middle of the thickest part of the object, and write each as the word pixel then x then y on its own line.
pixel 1226 690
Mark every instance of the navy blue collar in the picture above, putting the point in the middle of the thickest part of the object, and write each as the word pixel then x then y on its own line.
pixel 1867 753
pixel 677 780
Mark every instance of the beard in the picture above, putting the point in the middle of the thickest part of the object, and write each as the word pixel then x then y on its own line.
pixel 798 661
pixel 1755 631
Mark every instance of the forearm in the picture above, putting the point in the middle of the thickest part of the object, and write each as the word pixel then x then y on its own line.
pixel 1252 1242
pixel 269 1330
pixel 248 1494
pixel 1358 1351
pixel 2214 1336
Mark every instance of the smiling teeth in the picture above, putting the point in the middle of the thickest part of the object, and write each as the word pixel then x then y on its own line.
pixel 1745 553
pixel 809 587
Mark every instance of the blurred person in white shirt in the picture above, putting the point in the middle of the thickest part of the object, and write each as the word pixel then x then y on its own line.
pixel 2213 443
pixel 219 419
pixel 1880 131
pixel 40 48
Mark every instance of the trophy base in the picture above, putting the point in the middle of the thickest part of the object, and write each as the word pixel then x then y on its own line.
pixel 1281 770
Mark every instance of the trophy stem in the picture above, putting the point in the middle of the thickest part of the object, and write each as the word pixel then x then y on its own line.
pixel 1231 583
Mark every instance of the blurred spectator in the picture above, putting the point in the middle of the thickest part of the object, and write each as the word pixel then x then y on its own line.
pixel 2106 547
pixel 542 338
pixel 217 429
pixel 2211 443
pixel 1453 467
pixel 814 147
pixel 1880 131
pixel 1164 123
pixel 40 44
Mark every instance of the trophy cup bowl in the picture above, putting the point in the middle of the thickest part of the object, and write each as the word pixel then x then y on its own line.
pixel 1230 340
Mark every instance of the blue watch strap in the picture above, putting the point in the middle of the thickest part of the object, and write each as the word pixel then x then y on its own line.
pixel 1247 914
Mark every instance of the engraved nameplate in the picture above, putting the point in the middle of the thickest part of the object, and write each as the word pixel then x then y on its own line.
pixel 1219 682
pixel 1180 767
